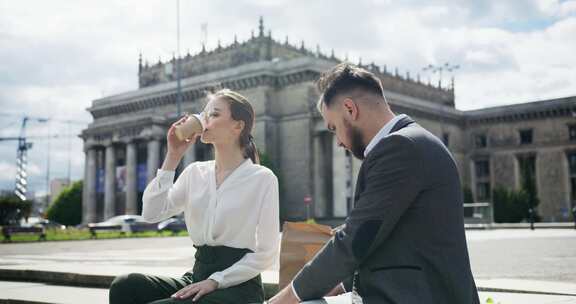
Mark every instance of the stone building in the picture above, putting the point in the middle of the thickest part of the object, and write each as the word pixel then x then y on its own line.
pixel 125 144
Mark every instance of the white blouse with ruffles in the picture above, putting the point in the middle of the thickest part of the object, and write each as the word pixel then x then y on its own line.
pixel 243 212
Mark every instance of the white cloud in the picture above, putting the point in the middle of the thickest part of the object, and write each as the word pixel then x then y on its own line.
pixel 557 8
pixel 8 171
pixel 567 8
pixel 58 56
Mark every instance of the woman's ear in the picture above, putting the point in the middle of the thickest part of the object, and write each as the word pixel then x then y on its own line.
pixel 240 124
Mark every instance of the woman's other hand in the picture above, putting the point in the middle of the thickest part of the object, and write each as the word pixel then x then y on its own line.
pixel 197 290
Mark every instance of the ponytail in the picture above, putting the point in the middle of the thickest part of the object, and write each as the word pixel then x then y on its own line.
pixel 250 150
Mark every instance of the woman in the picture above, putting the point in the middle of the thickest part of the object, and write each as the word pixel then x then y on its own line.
pixel 231 211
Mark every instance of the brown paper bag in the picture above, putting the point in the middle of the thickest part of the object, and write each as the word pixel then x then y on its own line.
pixel 300 243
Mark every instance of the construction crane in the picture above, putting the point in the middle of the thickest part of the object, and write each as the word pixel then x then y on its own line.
pixel 21 186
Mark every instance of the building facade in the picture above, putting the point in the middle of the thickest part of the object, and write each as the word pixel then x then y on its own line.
pixel 126 142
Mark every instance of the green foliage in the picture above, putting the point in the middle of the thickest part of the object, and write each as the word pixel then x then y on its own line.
pixel 67 208
pixel 74 234
pixel 528 185
pixel 513 206
pixel 12 209
pixel 468 199
pixel 266 161
pixel 468 196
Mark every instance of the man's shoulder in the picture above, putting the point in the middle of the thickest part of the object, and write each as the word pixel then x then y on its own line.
pixel 411 135
pixel 403 138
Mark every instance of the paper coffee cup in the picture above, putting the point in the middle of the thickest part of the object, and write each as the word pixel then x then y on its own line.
pixel 192 125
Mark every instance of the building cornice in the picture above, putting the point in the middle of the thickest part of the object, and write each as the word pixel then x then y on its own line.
pixel 274 75
pixel 560 107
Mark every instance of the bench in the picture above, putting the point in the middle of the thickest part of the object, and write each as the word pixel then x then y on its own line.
pixel 8 231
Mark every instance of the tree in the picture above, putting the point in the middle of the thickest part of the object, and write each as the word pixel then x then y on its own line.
pixel 267 162
pixel 528 184
pixel 67 207
pixel 511 206
pixel 12 209
pixel 468 199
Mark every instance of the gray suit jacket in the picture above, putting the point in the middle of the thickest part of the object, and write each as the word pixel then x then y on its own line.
pixel 403 241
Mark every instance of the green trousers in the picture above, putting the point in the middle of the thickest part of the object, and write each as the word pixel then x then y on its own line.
pixel 137 288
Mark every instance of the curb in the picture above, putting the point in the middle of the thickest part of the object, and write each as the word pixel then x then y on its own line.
pixel 8 301
pixel 537 226
pixel 103 281
pixel 56 278
pixel 520 291
pixel 76 280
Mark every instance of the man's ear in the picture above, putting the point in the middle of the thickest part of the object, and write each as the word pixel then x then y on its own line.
pixel 350 108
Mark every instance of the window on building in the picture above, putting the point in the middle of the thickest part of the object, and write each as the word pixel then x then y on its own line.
pixel 482 168
pixel 481 141
pixel 572 170
pixel 572 132
pixel 446 138
pixel 483 188
pixel 525 136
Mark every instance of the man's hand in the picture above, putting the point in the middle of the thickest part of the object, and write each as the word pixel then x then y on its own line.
pixel 285 296
pixel 199 289
pixel 338 290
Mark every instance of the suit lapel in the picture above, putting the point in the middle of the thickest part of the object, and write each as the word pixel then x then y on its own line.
pixel 402 123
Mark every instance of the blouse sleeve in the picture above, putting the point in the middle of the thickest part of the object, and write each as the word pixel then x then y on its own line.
pixel 164 198
pixel 267 243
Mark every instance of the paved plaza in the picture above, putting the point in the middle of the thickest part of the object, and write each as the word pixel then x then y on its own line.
pixel 543 255
pixel 540 261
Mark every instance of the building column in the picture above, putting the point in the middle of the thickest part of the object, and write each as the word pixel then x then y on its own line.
pixel 339 178
pixel 131 179
pixel 319 201
pixel 110 183
pixel 89 195
pixel 323 172
pixel 153 161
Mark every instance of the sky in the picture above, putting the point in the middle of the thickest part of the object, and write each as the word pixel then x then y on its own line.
pixel 57 56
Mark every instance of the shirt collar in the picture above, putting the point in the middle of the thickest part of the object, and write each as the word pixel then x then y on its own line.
pixel 382 133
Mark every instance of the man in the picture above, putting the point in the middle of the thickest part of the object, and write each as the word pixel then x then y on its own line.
pixel 403 241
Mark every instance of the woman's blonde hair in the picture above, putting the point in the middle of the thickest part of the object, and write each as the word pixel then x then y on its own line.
pixel 241 110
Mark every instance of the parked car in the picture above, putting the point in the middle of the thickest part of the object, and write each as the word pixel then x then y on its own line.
pixel 34 221
pixel 174 224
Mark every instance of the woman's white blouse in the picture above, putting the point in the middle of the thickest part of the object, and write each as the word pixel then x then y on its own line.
pixel 243 212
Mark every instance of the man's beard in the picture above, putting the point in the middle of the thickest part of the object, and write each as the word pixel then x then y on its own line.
pixel 357 147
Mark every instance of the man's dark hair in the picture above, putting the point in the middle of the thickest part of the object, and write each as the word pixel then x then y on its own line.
pixel 346 77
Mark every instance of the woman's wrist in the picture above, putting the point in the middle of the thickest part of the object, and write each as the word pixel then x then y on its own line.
pixel 216 284
pixel 171 161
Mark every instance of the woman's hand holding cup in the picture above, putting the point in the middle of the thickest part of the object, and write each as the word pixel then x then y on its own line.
pixel 181 135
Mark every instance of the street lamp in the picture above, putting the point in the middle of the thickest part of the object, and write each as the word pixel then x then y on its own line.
pixel 178 75
pixel 439 69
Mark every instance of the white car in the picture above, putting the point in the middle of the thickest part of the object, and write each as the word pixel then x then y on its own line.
pixel 125 222
pixel 34 221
